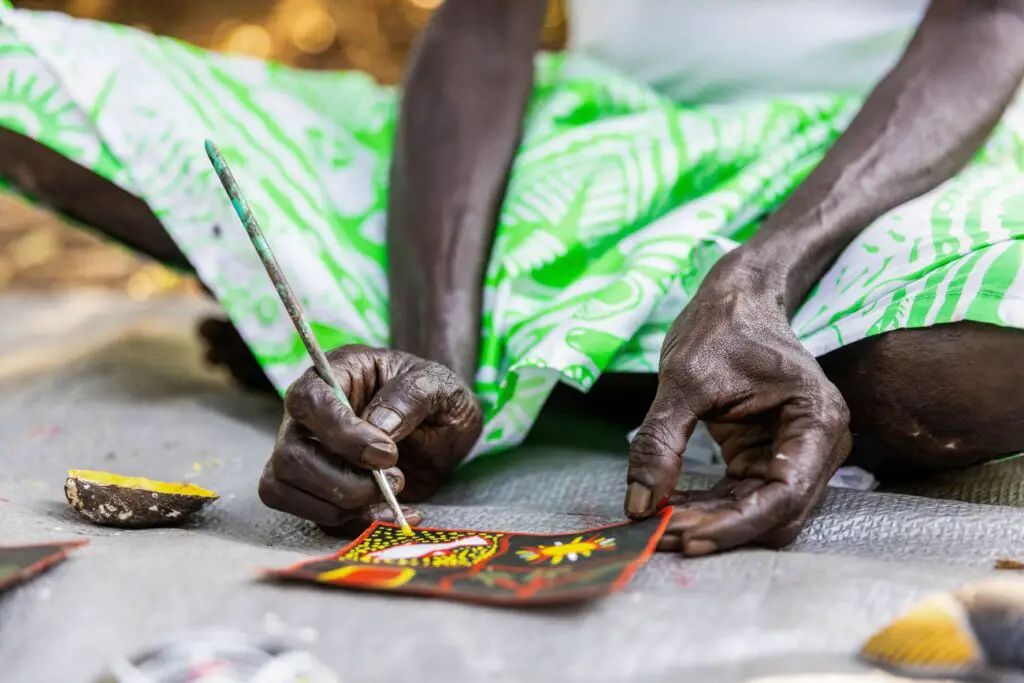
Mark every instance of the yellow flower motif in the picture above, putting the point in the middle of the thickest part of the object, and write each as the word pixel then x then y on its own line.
pixel 572 551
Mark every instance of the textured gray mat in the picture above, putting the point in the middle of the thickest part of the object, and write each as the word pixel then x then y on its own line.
pixel 997 483
pixel 137 402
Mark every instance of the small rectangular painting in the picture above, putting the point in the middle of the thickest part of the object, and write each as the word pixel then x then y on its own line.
pixel 492 567
pixel 20 563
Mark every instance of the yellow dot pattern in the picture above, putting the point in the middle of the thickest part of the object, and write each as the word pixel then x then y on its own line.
pixel 384 537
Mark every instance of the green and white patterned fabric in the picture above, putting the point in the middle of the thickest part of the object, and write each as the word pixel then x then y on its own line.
pixel 620 201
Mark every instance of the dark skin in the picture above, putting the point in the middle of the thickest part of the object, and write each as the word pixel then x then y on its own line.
pixel 901 403
pixel 731 358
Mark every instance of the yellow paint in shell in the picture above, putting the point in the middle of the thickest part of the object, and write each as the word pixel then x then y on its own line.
pixel 139 483
pixel 932 636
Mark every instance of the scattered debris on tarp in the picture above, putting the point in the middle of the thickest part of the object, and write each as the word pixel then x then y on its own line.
pixel 219 657
pixel 1008 564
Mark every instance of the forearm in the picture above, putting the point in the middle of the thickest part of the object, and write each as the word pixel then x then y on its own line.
pixel 919 126
pixel 468 84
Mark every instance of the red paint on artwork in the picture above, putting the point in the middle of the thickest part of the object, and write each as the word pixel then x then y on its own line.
pixel 373 575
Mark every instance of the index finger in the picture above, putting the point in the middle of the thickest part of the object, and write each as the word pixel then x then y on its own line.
pixel 656 453
pixel 311 402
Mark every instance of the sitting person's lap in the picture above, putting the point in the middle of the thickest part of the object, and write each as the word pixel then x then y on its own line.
pixel 614 214
pixel 925 398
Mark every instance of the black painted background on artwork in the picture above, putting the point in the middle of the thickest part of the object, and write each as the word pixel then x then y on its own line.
pixel 590 575
pixel 630 541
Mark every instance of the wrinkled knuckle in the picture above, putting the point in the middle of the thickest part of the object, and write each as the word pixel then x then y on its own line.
pixel 650 445
pixel 679 373
pixel 460 400
pixel 841 411
pixel 421 387
pixel 319 407
pixel 808 385
pixel 287 462
pixel 835 414
pixel 447 382
pixel 343 358
pixel 824 408
pixel 816 424
pixel 436 369
pixel 470 412
pixel 299 397
pixel 340 353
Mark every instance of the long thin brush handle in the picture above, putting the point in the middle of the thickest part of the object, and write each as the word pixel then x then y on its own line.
pixel 291 304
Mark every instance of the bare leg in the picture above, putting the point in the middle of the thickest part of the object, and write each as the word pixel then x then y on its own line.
pixel 941 397
pixel 225 348
pixel 84 196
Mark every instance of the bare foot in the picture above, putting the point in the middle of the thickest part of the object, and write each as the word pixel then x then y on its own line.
pixel 225 348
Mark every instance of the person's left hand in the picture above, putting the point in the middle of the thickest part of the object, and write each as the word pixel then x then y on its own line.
pixel 732 361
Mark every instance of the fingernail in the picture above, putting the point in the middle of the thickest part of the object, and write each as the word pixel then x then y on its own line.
pixel 378 455
pixel 414 517
pixel 384 419
pixel 395 480
pixel 382 513
pixel 638 499
pixel 699 547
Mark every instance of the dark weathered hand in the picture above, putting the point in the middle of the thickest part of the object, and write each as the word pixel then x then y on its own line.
pixel 732 361
pixel 411 417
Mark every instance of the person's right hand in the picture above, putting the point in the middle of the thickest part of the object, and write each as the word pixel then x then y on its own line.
pixel 413 418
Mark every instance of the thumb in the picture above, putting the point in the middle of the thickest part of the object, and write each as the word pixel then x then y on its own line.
pixel 403 402
pixel 656 453
pixel 311 403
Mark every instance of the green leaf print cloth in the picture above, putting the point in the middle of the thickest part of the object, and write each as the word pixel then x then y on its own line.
pixel 620 201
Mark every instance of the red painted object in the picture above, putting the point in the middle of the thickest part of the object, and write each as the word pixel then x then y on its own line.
pixel 20 563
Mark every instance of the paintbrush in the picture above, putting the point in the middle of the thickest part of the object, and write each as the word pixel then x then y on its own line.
pixel 291 304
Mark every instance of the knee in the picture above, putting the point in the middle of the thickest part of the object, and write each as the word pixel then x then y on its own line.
pixel 934 398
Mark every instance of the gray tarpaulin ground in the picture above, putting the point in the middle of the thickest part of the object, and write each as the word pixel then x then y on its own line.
pixel 93 381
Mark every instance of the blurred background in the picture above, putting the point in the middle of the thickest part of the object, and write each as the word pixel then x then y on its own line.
pixel 37 251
